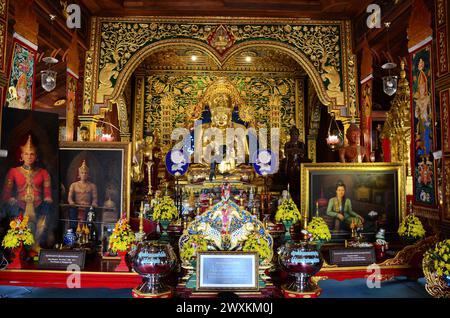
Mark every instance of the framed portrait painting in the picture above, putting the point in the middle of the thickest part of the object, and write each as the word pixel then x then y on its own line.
pixel 368 196
pixel 94 174
pixel 31 167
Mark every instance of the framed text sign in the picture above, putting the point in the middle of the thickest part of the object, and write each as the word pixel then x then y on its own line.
pixel 352 256
pixel 61 259
pixel 227 271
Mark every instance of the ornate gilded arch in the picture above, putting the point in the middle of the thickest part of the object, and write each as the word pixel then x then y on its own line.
pixel 323 48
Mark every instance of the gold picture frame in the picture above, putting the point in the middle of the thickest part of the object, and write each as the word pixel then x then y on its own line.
pixel 365 180
pixel 202 257
pixel 77 151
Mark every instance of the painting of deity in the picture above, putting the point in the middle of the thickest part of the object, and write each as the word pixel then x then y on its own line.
pixel 20 88
pixel 423 127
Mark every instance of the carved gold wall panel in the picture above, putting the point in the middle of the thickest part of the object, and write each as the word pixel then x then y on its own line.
pixel 322 48
pixel 3 8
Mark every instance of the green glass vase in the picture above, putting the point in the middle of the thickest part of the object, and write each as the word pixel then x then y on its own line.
pixel 288 225
pixel 164 235
pixel 318 243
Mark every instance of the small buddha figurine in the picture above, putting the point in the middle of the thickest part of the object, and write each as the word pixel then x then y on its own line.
pixel 353 152
pixel 156 199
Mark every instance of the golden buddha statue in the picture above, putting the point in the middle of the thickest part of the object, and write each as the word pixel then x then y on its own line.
pixel 221 144
pixel 233 148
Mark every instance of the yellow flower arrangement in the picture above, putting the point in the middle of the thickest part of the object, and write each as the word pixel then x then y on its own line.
pixel 18 234
pixel 122 236
pixel 319 229
pixel 256 243
pixel 288 211
pixel 165 210
pixel 440 255
pixel 411 227
pixel 195 243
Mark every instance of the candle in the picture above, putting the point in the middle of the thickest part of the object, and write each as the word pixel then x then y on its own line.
pixel 141 218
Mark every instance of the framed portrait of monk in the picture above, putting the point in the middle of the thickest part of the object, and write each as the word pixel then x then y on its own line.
pixel 29 174
pixel 94 174
pixel 360 196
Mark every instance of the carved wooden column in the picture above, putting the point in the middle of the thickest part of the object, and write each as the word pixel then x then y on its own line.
pixel 73 65
pixel 366 96
pixel 313 122
pixel 300 107
pixel 3 41
pixel 442 12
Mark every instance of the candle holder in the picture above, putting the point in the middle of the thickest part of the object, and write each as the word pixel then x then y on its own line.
pixel 335 139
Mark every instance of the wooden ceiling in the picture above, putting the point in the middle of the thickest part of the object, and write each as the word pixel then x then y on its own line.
pixel 328 9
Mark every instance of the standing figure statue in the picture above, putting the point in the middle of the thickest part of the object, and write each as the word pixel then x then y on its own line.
pixel 151 158
pixel 28 188
pixel 137 171
pixel 295 153
pixel 146 163
pixel 82 194
pixel 353 152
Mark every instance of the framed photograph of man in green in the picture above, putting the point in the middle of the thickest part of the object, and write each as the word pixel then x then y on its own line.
pixel 363 196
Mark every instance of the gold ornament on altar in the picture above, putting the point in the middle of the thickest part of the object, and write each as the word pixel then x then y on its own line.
pixel 220 93
pixel 225 226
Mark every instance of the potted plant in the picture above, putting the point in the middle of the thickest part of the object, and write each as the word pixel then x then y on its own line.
pixel 436 267
pixel 289 214
pixel 256 243
pixel 164 212
pixel 320 233
pixel 188 255
pixel 411 229
pixel 18 236
pixel 120 242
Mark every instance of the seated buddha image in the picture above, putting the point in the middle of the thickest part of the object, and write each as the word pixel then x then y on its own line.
pixel 219 149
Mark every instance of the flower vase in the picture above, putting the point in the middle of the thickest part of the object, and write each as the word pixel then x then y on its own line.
pixel 17 262
pixel 319 244
pixel 192 281
pixel 409 240
pixel 287 225
pixel 164 235
pixel 122 267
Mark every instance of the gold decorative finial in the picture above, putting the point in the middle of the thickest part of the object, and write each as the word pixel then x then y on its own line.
pixel 29 145
pixel 83 167
pixel 402 70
